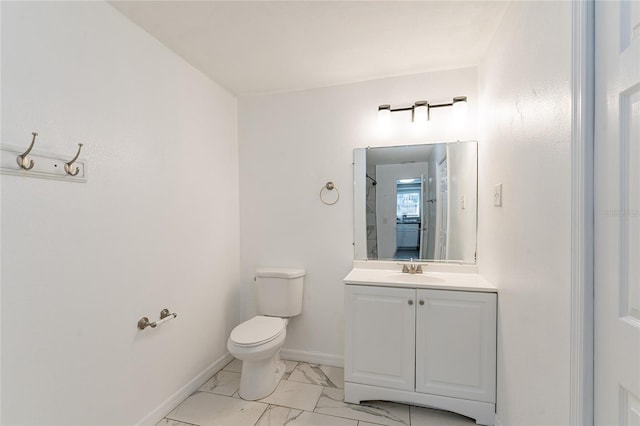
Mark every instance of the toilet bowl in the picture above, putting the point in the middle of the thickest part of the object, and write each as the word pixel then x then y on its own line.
pixel 257 344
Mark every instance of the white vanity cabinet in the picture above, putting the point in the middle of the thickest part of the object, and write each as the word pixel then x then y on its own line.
pixel 456 344
pixel 431 347
pixel 380 336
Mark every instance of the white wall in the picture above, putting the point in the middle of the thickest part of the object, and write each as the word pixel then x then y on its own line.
pixel 524 246
pixel 290 146
pixel 463 171
pixel 156 225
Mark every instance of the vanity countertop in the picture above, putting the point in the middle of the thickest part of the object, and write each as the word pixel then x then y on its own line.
pixel 428 279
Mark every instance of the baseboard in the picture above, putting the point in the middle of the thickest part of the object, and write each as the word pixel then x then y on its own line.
pixel 312 357
pixel 181 394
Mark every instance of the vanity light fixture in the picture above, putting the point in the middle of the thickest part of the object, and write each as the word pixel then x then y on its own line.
pixel 421 110
pixel 460 107
pixel 384 114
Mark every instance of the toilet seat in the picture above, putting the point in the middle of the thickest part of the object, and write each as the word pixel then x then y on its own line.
pixel 257 331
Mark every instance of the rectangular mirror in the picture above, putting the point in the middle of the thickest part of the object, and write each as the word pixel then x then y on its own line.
pixel 416 202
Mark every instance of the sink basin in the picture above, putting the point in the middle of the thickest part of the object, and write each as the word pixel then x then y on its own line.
pixel 434 279
pixel 424 278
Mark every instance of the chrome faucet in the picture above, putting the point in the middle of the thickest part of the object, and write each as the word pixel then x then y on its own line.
pixel 411 268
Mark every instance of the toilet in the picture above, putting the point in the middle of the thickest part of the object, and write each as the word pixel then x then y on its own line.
pixel 257 341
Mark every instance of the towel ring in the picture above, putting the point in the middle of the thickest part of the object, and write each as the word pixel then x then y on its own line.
pixel 329 187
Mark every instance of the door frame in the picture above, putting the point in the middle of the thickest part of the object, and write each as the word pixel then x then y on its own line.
pixel 582 213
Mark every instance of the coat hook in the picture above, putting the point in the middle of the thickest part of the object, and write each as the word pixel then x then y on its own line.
pixel 22 160
pixel 68 167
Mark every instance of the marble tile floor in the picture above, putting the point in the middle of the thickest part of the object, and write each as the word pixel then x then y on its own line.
pixel 308 395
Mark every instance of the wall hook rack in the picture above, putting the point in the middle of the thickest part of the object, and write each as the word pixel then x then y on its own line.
pixel 68 167
pixel 36 163
pixel 23 161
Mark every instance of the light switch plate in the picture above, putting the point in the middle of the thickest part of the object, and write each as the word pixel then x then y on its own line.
pixel 497 195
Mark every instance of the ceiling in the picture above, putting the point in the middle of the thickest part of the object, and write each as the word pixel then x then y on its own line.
pixel 259 47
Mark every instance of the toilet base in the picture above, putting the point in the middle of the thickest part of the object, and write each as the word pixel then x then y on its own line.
pixel 260 378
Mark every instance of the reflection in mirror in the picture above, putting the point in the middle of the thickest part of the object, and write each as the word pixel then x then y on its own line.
pixel 416 202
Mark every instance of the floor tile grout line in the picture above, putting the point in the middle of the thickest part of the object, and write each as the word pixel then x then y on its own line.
pixel 291 408
pixel 261 415
pixel 310 383
pixel 215 393
pixel 344 418
pixel 270 406
pixel 176 420
pixel 332 415
pixel 351 418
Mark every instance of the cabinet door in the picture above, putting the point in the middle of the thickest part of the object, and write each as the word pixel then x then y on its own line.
pixel 456 344
pixel 380 336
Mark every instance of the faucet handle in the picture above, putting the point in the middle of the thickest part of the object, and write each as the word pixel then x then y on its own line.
pixel 419 269
pixel 405 269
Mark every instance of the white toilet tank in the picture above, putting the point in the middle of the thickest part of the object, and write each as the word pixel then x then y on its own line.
pixel 279 291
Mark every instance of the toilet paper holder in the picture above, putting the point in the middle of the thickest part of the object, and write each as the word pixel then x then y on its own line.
pixel 165 315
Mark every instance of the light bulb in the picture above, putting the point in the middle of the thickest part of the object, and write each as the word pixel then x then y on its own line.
pixel 420 112
pixel 460 109
pixel 384 115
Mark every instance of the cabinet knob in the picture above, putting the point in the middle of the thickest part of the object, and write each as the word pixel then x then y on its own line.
pixel 410 302
pixel 422 302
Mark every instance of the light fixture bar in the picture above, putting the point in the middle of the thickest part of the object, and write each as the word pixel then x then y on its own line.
pixel 455 101
pixel 401 109
pixel 420 110
pixel 440 105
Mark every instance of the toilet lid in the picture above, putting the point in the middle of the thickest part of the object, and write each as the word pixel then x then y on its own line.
pixel 257 330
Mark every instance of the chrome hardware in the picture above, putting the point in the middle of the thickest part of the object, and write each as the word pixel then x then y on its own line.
pixel 68 167
pixel 22 159
pixel 410 302
pixel 165 316
pixel 411 268
pixel 165 313
pixel 329 186
pixel 144 323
